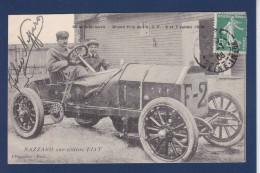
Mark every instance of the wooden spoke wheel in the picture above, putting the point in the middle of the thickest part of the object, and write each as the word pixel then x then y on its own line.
pixel 168 131
pixel 226 116
pixel 27 113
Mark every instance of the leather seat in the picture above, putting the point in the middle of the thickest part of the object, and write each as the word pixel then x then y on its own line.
pixel 56 77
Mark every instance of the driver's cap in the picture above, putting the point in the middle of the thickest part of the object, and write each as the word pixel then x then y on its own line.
pixel 92 42
pixel 62 34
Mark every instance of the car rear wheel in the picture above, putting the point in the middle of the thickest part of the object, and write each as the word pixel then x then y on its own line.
pixel 226 116
pixel 27 113
pixel 87 120
pixel 168 131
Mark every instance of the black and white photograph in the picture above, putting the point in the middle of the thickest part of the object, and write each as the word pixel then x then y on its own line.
pixel 161 87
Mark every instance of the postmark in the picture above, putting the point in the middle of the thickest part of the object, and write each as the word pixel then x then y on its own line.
pixel 229 41
pixel 226 56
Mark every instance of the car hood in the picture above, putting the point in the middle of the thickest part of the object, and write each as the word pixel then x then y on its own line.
pixel 151 73
pixel 141 73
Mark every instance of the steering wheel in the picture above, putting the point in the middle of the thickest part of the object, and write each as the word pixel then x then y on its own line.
pixel 76 56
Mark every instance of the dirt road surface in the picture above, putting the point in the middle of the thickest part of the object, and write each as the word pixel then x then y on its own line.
pixel 67 142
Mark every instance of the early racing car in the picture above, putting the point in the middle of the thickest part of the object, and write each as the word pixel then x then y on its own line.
pixel 167 107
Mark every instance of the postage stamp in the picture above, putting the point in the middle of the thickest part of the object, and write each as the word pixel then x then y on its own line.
pixel 231 29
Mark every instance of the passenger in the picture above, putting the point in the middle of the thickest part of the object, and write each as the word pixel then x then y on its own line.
pixel 58 59
pixel 93 58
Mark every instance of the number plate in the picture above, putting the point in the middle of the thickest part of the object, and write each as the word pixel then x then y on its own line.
pixel 194 93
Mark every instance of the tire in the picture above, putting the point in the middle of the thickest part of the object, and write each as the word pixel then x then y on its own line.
pixel 231 121
pixel 177 128
pixel 25 103
pixel 87 120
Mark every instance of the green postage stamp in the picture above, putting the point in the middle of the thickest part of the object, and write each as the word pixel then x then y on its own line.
pixel 230 32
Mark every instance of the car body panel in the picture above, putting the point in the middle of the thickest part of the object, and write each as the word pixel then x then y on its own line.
pixel 130 88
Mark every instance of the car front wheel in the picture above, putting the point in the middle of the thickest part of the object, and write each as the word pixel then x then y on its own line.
pixel 168 131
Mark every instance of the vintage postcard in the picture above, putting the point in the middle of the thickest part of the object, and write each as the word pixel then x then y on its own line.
pixel 127 88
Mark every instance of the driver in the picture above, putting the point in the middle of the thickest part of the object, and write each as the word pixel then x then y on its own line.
pixel 58 59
